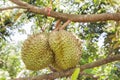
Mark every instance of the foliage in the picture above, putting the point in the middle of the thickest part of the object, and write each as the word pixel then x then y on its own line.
pixel 75 74
pixel 11 65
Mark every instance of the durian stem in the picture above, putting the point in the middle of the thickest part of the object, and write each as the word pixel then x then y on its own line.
pixel 64 25
pixel 57 25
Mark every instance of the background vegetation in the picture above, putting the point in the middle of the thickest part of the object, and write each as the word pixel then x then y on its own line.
pixel 99 39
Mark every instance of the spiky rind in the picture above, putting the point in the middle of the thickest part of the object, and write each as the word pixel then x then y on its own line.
pixel 36 53
pixel 66 49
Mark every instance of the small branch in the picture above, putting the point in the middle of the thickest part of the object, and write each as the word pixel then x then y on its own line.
pixel 72 17
pixel 57 25
pixel 67 73
pixel 8 8
pixel 65 24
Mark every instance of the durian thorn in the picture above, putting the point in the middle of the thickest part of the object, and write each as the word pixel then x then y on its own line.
pixel 57 25
pixel 64 25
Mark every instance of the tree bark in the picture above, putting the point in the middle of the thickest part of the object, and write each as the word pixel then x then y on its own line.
pixel 67 73
pixel 71 17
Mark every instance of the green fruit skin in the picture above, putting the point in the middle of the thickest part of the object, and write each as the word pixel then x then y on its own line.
pixel 36 53
pixel 67 50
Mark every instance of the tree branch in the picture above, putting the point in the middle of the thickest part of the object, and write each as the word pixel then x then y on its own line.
pixel 72 17
pixel 7 8
pixel 58 24
pixel 55 75
pixel 64 25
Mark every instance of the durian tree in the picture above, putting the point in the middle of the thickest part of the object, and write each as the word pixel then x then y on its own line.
pixel 51 50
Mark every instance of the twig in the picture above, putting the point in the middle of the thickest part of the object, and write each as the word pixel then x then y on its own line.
pixel 57 25
pixel 64 25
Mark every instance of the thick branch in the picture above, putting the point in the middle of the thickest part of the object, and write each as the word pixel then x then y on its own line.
pixel 55 75
pixel 72 17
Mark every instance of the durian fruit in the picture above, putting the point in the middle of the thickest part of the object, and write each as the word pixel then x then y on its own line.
pixel 36 53
pixel 66 48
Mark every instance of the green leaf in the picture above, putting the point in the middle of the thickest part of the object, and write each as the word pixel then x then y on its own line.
pixel 75 74
pixel 96 2
pixel 78 1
